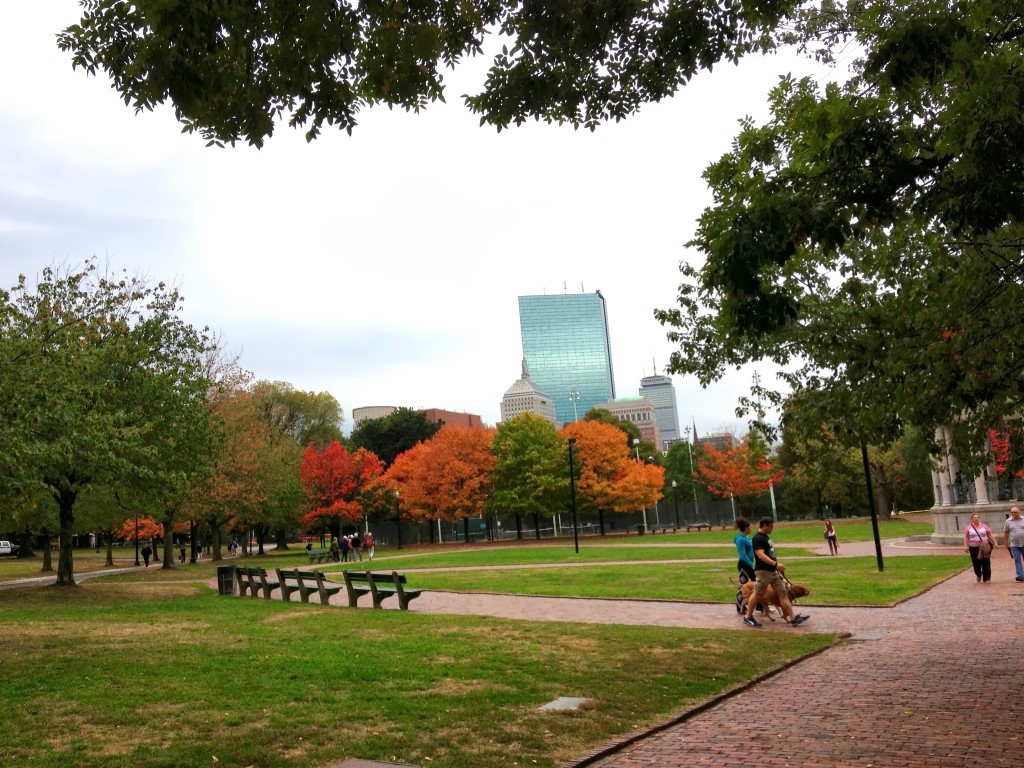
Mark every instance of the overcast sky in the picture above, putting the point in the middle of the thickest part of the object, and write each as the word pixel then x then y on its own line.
pixel 383 267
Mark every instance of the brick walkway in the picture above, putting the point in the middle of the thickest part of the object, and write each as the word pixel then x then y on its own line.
pixel 936 681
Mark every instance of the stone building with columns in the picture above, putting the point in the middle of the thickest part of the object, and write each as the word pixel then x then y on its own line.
pixel 957 496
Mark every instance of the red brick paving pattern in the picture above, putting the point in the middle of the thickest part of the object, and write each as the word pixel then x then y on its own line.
pixel 941 685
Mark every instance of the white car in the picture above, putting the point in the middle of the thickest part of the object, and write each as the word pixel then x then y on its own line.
pixel 7 549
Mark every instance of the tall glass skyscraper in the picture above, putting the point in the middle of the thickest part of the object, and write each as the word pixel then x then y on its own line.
pixel 565 343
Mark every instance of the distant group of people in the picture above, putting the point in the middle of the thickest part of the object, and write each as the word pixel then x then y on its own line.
pixel 350 548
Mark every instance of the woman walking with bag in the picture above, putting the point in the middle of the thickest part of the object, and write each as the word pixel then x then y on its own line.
pixel 979 543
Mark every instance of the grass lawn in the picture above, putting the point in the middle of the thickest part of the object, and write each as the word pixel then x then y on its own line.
pixel 832 581
pixel 547 554
pixel 154 674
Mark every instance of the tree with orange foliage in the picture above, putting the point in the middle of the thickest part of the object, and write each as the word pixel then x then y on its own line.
pixel 608 479
pixel 447 477
pixel 737 472
pixel 333 480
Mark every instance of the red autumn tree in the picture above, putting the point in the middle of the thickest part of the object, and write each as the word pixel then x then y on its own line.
pixel 737 472
pixel 333 480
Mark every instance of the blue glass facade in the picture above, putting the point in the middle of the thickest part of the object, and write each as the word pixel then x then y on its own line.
pixel 565 343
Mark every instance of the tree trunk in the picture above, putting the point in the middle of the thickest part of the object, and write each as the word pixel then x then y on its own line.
pixel 44 545
pixel 25 544
pixel 65 563
pixel 168 545
pixel 215 527
pixel 281 539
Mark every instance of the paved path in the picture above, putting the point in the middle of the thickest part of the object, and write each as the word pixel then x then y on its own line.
pixel 934 682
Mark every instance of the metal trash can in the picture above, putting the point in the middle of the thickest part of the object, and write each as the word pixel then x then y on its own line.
pixel 225 579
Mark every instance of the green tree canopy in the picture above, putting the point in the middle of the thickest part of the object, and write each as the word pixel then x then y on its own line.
pixel 867 239
pixel 232 70
pixel 393 434
pixel 531 473
pixel 101 384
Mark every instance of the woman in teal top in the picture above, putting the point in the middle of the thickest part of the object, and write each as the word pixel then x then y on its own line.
pixel 745 550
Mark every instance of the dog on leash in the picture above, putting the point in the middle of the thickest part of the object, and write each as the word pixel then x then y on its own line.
pixel 770 600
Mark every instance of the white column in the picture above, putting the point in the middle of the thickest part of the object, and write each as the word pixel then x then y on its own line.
pixel 943 471
pixel 981 489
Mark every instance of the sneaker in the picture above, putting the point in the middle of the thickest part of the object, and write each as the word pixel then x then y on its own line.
pixel 751 621
pixel 798 620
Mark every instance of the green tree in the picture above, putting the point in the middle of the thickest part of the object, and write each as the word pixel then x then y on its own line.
pixel 531 473
pixel 867 238
pixel 681 463
pixel 393 434
pixel 232 69
pixel 101 377
pixel 307 417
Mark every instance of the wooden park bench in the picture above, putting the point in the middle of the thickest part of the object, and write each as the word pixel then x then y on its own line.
pixel 306 583
pixel 698 526
pixel 381 586
pixel 253 580
pixel 319 555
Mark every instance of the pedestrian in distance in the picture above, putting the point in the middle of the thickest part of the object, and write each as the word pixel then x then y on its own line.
pixel 146 554
pixel 831 538
pixel 769 572
pixel 979 543
pixel 1013 538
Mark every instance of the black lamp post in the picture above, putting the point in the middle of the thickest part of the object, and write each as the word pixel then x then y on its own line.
pixel 136 538
pixel 398 517
pixel 675 500
pixel 572 489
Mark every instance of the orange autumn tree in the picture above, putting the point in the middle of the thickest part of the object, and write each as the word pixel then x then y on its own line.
pixel 607 479
pixel 334 479
pixel 737 472
pixel 148 529
pixel 447 477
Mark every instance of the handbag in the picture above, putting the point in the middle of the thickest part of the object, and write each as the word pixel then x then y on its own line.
pixel 985 547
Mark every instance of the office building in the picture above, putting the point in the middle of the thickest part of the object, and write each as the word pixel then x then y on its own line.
pixel 638 411
pixel 524 397
pixel 566 346
pixel 662 394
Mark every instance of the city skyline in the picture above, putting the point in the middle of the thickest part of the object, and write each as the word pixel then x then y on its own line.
pixel 381 267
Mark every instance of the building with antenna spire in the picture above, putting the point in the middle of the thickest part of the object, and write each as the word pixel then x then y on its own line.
pixel 662 393
pixel 566 346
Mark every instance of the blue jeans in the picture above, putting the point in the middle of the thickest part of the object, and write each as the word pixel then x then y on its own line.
pixel 1018 560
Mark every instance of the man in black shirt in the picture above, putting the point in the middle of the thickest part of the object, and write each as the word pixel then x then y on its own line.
pixel 768 571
